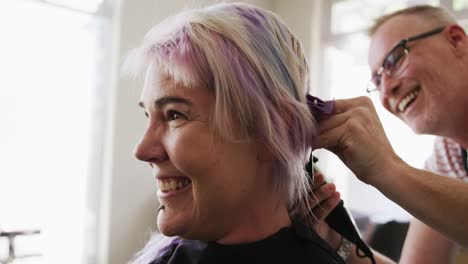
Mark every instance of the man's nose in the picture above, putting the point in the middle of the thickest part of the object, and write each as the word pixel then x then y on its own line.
pixel 388 89
pixel 150 148
pixel 389 84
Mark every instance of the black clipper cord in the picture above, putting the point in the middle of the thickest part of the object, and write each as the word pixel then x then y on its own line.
pixel 342 222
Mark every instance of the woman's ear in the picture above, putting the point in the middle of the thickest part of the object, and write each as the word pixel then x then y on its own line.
pixel 264 152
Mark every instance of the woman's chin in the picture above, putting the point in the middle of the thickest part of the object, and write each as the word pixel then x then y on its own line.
pixel 170 227
pixel 168 232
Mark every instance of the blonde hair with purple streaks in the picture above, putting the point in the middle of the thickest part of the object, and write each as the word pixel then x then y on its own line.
pixel 258 72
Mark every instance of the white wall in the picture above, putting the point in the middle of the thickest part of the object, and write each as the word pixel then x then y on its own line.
pixel 297 15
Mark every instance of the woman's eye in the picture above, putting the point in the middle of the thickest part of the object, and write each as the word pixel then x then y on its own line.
pixel 146 114
pixel 174 115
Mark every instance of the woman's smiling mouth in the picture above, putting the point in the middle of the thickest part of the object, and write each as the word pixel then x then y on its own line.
pixel 172 185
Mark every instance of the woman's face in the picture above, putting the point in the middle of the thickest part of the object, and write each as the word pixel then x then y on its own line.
pixel 203 181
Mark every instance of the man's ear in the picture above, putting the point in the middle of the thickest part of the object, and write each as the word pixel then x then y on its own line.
pixel 457 38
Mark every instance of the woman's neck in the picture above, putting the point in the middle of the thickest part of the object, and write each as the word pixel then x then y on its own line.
pixel 258 221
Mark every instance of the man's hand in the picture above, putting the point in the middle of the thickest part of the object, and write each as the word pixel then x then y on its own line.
pixel 354 133
pixel 324 199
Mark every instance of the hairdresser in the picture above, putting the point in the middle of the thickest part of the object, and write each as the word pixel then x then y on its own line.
pixel 419 63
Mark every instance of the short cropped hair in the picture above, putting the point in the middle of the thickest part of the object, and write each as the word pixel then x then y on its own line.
pixel 436 16
pixel 257 70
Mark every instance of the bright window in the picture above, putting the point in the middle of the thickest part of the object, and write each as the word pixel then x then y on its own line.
pixel 459 5
pixel 53 76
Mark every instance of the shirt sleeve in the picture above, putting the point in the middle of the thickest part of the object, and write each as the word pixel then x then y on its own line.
pixel 446 159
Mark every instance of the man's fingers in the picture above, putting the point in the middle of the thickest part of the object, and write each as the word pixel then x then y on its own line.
pixel 330 138
pixel 325 208
pixel 322 193
pixel 351 115
pixel 360 115
pixel 332 121
pixel 318 181
pixel 345 105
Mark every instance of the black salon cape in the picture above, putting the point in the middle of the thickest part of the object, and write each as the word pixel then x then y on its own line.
pixel 295 244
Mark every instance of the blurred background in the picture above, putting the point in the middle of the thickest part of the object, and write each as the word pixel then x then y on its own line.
pixel 68 121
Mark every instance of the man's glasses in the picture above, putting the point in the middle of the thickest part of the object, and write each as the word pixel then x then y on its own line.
pixel 393 62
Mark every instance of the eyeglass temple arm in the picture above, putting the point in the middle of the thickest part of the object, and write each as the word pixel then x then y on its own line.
pixel 426 34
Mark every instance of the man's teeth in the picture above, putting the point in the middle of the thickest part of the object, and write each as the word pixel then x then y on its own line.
pixel 169 185
pixel 407 100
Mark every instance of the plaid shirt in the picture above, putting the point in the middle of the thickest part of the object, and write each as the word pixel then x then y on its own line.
pixel 448 159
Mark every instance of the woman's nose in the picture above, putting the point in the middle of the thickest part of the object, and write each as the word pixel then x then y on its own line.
pixel 150 148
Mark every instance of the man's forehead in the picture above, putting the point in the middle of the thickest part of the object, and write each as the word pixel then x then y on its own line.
pixel 389 34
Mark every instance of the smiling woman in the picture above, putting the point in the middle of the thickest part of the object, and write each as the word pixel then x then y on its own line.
pixel 228 135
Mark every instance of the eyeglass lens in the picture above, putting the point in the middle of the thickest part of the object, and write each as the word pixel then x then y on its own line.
pixel 392 62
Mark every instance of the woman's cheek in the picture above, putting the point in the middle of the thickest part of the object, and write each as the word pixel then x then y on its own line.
pixel 191 151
